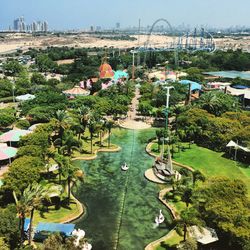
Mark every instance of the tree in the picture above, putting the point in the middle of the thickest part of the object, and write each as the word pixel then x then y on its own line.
pixel 198 176
pixel 109 124
pixel 218 103
pixel 71 173
pixel 3 244
pixel 9 232
pixel 188 217
pixel 69 143
pixel 187 195
pixel 44 63
pixel 6 120
pixel 189 244
pixel 31 150
pixel 22 172
pixel 92 130
pixel 12 68
pixel 6 88
pixel 38 79
pixel 53 242
pixel 32 198
pixel 195 74
pixel 56 242
pixel 83 116
pixel 62 122
pixel 37 138
pixel 224 205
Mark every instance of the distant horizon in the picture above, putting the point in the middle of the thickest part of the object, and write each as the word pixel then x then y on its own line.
pixel 81 14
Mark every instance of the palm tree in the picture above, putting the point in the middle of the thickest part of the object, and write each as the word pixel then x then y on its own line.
pixel 62 122
pixel 92 130
pixel 59 160
pixel 69 143
pixel 22 209
pixel 209 101
pixel 79 129
pixel 83 116
pixel 109 125
pixel 186 195
pixel 32 198
pixel 197 175
pixel 188 217
pixel 72 173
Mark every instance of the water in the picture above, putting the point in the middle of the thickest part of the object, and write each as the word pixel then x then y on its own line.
pixel 104 188
pixel 231 74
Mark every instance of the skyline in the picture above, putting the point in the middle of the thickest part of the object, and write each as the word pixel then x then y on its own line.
pixel 65 15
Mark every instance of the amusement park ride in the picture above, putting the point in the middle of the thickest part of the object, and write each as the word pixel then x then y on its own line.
pixel 199 40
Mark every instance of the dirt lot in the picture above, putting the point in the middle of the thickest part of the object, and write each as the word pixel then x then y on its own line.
pixel 24 41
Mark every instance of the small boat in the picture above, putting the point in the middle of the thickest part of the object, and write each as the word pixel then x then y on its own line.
pixel 124 167
pixel 159 219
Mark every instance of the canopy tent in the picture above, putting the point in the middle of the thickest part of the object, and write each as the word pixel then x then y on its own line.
pixel 238 92
pixel 238 86
pixel 120 74
pixel 237 146
pixel 76 91
pixel 34 126
pixel 65 229
pixel 218 85
pixel 22 98
pixel 247 95
pixel 7 152
pixel 205 235
pixel 194 85
pixel 13 135
pixel 163 75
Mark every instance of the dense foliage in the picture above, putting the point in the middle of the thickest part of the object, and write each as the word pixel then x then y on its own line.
pixel 225 207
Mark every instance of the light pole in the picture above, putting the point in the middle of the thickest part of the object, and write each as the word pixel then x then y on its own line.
pixel 166 114
pixel 133 64
pixel 167 104
pixel 13 91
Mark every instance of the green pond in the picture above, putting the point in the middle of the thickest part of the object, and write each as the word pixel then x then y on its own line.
pixel 121 205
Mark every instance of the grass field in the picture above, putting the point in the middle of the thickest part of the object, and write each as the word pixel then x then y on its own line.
pixel 212 163
pixel 171 242
pixel 57 215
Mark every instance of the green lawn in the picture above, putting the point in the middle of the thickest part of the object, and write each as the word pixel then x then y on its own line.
pixel 57 215
pixel 212 163
pixel 174 240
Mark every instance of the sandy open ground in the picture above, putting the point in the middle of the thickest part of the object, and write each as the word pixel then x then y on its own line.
pixel 12 42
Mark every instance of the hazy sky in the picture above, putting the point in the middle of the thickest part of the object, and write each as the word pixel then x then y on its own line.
pixel 80 14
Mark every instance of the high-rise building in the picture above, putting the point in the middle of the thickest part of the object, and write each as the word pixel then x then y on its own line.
pixel 98 28
pixel 117 25
pixel 19 25
pixel 16 24
pixel 34 27
pixel 45 26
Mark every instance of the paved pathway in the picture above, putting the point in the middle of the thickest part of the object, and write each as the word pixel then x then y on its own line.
pixel 132 121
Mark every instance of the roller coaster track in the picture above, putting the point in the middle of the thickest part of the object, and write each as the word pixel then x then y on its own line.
pixel 189 42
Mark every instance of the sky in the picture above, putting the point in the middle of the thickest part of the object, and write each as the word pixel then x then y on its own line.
pixel 81 14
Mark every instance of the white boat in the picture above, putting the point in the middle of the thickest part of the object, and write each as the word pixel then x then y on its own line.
pixel 160 218
pixel 124 167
